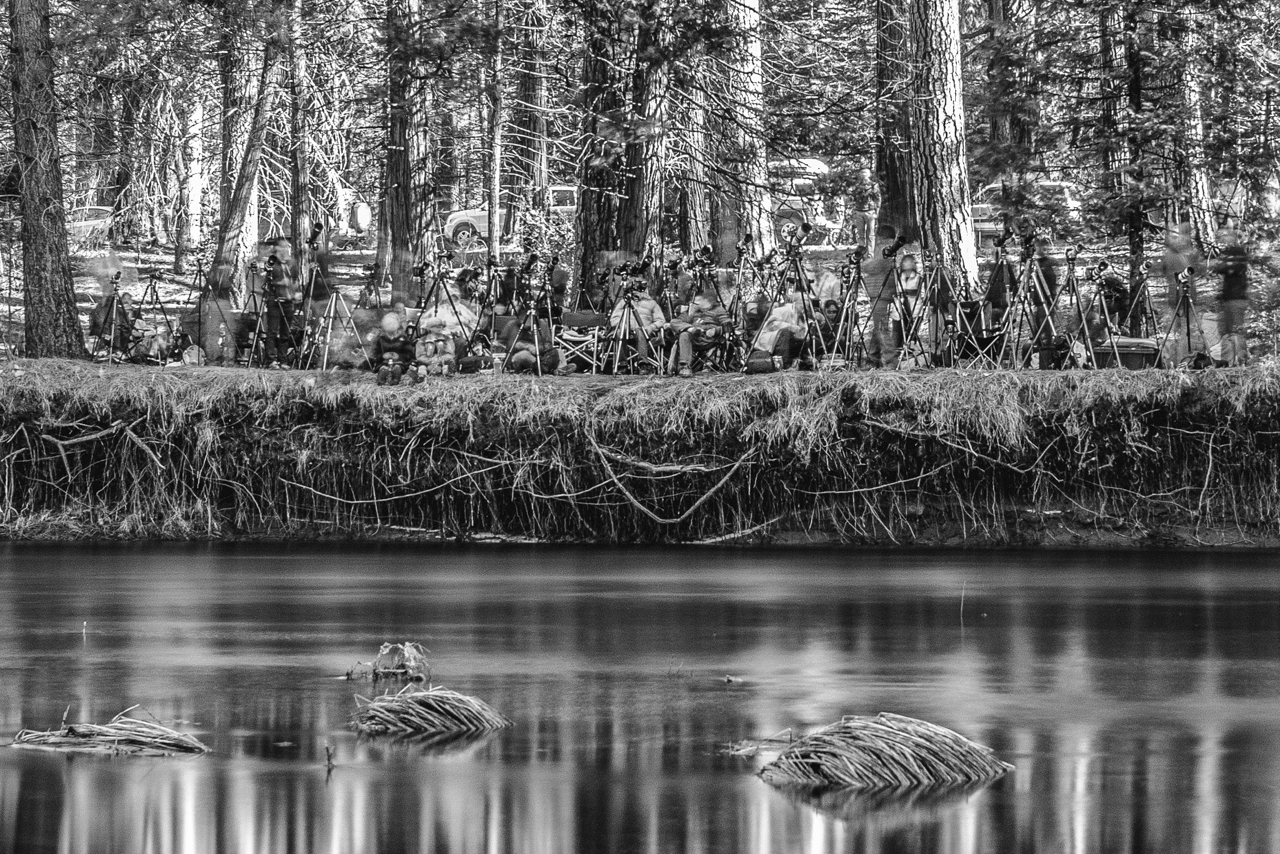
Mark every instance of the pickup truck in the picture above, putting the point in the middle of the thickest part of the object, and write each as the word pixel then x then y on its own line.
pixel 465 226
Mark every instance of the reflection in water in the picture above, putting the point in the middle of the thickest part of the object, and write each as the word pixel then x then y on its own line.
pixel 1137 699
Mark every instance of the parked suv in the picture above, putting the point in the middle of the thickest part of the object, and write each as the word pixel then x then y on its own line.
pixel 464 226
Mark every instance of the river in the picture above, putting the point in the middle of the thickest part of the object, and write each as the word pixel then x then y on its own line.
pixel 1136 693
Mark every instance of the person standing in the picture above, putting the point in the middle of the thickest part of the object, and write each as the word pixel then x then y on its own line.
pixel 863 209
pixel 1233 265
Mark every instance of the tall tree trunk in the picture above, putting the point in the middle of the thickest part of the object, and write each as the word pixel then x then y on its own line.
pixel 531 158
pixel 1135 203
pixel 49 300
pixel 1015 109
pixel 128 219
pixel 695 213
pixel 1195 177
pixel 598 157
pixel 749 161
pixel 939 169
pixel 190 166
pixel 408 168
pixel 640 214
pixel 238 90
pixel 300 208
pixel 495 98
pixel 234 251
pixel 893 117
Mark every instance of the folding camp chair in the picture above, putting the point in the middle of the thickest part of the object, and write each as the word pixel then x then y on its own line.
pixel 580 336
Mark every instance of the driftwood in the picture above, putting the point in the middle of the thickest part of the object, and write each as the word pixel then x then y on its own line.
pixel 395 661
pixel 121 735
pixel 889 752
pixel 430 710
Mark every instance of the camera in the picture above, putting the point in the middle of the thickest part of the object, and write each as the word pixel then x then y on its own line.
pixel 859 253
pixel 895 247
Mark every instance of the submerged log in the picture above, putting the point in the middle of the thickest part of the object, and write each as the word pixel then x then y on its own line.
pixel 887 752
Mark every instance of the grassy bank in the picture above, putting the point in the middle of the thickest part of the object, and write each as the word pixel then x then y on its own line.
pixel 941 457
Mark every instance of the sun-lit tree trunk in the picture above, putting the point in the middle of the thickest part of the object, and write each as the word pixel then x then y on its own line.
pixel 234 251
pixel 301 212
pixel 494 96
pixel 939 168
pixel 695 213
pixel 190 169
pixel 893 117
pixel 238 89
pixel 1195 177
pixel 52 325
pixel 749 159
pixel 1135 203
pixel 531 156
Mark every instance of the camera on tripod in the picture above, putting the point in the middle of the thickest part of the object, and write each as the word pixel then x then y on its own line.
pixel 313 241
pixel 895 247
pixel 859 253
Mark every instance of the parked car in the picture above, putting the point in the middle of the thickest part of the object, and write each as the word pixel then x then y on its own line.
pixel 89 225
pixel 796 200
pixel 464 226
pixel 1054 205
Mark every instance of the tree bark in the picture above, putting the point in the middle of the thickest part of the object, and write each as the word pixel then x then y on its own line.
pixel 1191 157
pixel 1015 108
pixel 1135 203
pixel 300 105
pixel 52 324
pixel 494 96
pixel 939 168
pixel 127 219
pixel 234 250
pixel 640 211
pixel 408 164
pixel 190 168
pixel 893 118
pixel 599 155
pixel 237 88
pixel 531 159
pixel 749 160
pixel 695 212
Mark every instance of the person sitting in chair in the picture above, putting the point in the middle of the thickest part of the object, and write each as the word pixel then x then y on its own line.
pixel 781 336
pixel 637 318
pixel 391 350
pixel 706 326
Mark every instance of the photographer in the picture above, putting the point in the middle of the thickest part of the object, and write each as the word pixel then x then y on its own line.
pixel 781 335
pixel 1233 265
pixel 706 325
pixel 863 209
pixel 637 317
pixel 279 291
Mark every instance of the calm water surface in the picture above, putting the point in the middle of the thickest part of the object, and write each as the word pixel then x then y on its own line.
pixel 1138 696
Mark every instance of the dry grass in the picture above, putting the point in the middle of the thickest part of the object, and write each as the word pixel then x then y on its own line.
pixel 417 711
pixel 887 752
pixel 122 735
pixel 861 457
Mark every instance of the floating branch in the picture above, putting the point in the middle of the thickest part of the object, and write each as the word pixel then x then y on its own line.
pixel 433 710
pixel 885 752
pixel 121 735
pixel 400 661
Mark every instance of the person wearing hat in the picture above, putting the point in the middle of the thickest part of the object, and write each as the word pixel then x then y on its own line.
pixel 391 350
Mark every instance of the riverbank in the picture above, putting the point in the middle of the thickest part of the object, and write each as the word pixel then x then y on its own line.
pixel 932 458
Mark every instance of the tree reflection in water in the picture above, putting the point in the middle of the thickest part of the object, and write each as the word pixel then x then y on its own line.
pixel 1137 701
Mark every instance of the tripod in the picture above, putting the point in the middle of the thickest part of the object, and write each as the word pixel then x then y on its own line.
pixel 1031 313
pixel 792 270
pixel 319 344
pixel 1079 353
pixel 1141 317
pixel 529 317
pixel 629 326
pixel 107 326
pixel 255 305
pixel 150 303
pixel 850 341
pixel 1184 309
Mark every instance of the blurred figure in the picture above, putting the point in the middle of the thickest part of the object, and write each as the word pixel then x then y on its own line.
pixel 863 211
pixel 1233 266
